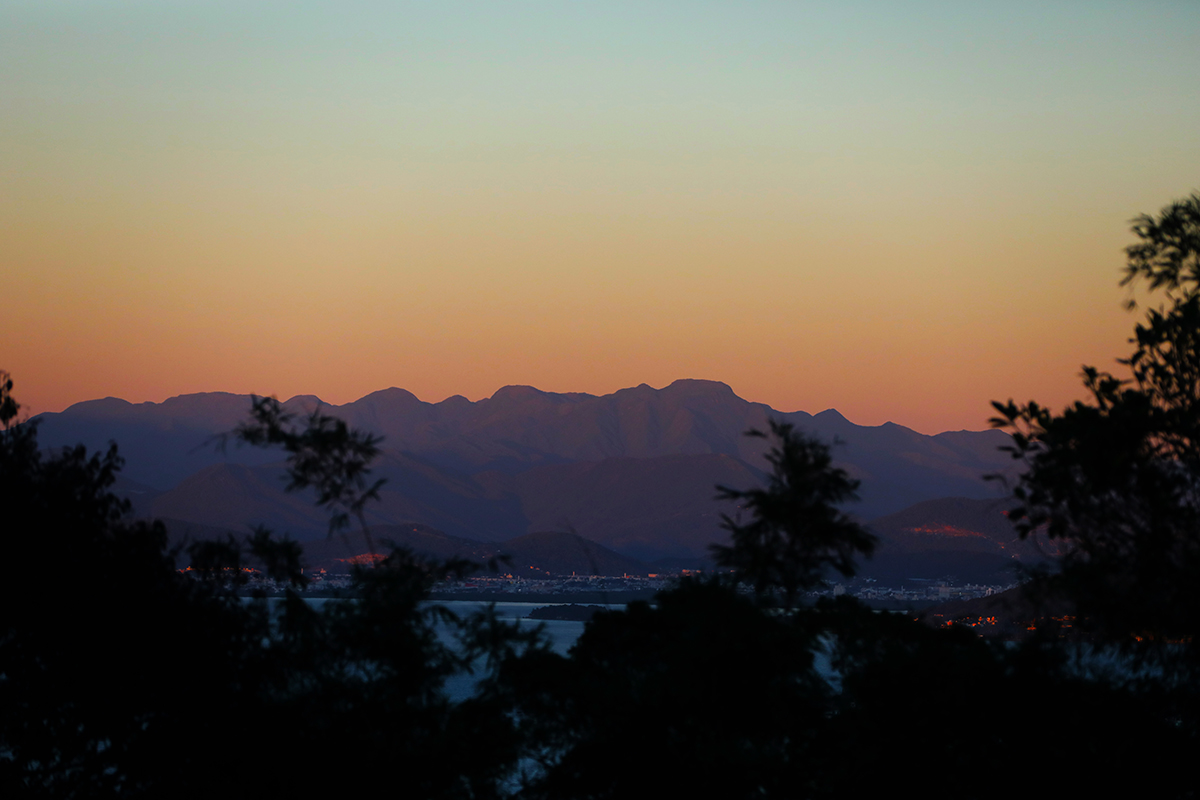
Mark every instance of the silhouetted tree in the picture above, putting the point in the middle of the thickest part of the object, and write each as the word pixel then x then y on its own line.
pixel 8 405
pixel 714 692
pixel 701 694
pixel 946 711
pixel 108 655
pixel 797 531
pixel 324 454
pixel 707 692
pixel 122 676
pixel 1116 478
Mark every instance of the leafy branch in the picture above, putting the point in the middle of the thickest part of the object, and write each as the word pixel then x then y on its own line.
pixel 796 532
pixel 323 453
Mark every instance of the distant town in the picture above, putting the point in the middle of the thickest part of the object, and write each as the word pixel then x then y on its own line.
pixel 915 594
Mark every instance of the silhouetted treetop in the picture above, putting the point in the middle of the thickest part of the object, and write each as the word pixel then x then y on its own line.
pixel 796 531
pixel 1168 255
pixel 324 453
pixel 8 406
pixel 1117 477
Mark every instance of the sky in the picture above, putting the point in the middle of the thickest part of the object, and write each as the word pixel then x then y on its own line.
pixel 899 210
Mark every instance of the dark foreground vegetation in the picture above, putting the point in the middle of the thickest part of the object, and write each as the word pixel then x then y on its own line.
pixel 121 676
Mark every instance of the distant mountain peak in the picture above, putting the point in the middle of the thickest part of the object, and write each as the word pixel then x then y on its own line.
pixel 102 407
pixel 304 400
pixel 392 395
pixel 633 469
pixel 518 392
pixel 699 386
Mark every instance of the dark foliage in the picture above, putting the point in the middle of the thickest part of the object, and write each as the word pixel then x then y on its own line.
pixel 953 714
pixel 702 695
pixel 1117 478
pixel 122 676
pixel 324 454
pixel 106 652
pixel 796 532
pixel 8 405
pixel 712 692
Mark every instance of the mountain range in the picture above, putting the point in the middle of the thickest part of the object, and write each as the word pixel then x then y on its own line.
pixel 634 471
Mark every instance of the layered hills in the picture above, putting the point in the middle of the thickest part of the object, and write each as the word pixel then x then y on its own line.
pixel 634 471
pixel 533 555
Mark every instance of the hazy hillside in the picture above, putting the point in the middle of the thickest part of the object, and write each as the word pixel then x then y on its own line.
pixel 533 555
pixel 648 508
pixel 634 470
pixel 970 539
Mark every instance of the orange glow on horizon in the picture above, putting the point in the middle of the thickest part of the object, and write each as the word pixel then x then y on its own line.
pixel 899 220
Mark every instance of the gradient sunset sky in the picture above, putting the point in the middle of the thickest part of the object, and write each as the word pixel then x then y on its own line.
pixel 899 210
